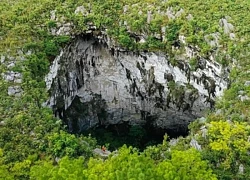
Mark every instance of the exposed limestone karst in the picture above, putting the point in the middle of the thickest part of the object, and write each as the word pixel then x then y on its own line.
pixel 92 83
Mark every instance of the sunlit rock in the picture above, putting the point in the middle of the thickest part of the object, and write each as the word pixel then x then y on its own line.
pixel 92 82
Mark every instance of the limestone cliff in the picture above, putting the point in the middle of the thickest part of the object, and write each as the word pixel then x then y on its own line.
pixel 92 83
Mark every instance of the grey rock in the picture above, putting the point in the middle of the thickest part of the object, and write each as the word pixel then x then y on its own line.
pixel 232 36
pixel 81 10
pixel 149 17
pixel 2 59
pixel 12 76
pixel 204 131
pixel 179 13
pixel 125 23
pixel 163 32
pixel 243 98
pixel 241 92
pixel 230 122
pixel 195 144
pixel 202 120
pixel 101 153
pixel 11 64
pixel 218 112
pixel 93 83
pixel 2 123
pixel 173 142
pixel 65 29
pixel 213 39
pixel 53 15
pixel 142 40
pixel 228 27
pixel 57 159
pixel 247 83
pixel 189 17
pixel 14 90
pixel 125 8
pixel 170 13
pixel 241 169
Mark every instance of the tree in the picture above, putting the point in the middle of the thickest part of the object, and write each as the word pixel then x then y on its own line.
pixel 66 169
pixel 186 165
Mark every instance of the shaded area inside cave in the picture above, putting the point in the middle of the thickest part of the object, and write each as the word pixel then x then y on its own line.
pixel 87 114
pixel 115 135
pixel 139 136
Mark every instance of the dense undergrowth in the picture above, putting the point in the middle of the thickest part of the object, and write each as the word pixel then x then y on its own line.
pixel 32 140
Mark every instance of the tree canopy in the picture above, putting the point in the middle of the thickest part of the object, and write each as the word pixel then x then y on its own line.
pixel 35 145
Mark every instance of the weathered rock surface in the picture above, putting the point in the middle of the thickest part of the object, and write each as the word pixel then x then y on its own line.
pixel 92 84
pixel 101 153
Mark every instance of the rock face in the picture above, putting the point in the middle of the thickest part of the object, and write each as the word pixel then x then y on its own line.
pixel 93 84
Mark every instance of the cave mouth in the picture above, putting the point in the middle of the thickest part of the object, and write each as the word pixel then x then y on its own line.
pixel 116 135
pixel 139 136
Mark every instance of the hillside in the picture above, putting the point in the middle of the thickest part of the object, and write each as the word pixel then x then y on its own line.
pixel 34 35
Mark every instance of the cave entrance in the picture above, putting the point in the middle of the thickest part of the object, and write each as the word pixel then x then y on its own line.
pixel 139 136
pixel 116 135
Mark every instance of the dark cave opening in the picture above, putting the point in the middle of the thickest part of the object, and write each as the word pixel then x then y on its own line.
pixel 92 117
pixel 116 135
pixel 139 136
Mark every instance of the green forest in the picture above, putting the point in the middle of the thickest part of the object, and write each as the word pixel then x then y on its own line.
pixel 36 145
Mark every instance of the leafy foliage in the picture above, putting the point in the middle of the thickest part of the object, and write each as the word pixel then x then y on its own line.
pixel 64 144
pixel 127 164
pixel 66 169
pixel 31 137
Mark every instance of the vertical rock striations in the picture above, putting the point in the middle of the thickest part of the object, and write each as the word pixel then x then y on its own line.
pixel 91 83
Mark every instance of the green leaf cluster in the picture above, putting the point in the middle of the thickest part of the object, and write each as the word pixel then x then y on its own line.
pixel 128 163
pixel 31 138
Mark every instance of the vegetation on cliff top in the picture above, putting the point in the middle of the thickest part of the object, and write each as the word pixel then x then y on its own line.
pixel 31 139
